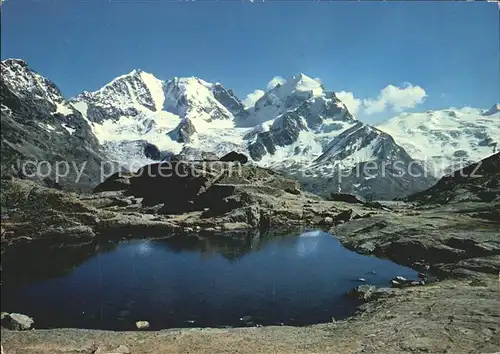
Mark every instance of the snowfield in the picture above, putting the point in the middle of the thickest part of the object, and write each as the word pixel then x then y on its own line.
pixel 444 138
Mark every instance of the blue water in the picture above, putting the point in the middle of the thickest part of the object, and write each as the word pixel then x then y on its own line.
pixel 296 279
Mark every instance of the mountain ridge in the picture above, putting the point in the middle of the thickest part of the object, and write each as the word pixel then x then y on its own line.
pixel 295 126
pixel 40 128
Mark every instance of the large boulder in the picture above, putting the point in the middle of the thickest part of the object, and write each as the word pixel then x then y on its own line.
pixel 17 322
pixel 362 293
pixel 348 198
pixel 118 181
pixel 176 184
pixel 142 324
pixel 152 152
pixel 234 156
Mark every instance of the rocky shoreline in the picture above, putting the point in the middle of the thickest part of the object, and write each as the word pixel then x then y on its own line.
pixel 254 199
pixel 458 242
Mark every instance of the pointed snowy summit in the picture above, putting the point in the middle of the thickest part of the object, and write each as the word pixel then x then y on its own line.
pixel 493 110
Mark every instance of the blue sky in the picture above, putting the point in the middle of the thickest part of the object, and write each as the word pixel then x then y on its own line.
pixel 448 51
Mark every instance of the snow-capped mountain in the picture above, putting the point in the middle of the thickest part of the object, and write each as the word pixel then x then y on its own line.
pixel 303 123
pixel 29 84
pixel 39 124
pixel 127 95
pixel 298 127
pixel 167 113
pixel 193 98
pixel 293 127
pixel 364 160
pixel 446 140
pixel 283 98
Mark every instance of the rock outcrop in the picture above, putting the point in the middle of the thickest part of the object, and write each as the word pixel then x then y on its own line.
pixel 43 135
pixel 152 152
pixel 17 322
pixel 183 132
pixel 478 182
pixel 234 157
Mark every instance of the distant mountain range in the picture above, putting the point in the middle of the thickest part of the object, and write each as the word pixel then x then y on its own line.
pixel 298 127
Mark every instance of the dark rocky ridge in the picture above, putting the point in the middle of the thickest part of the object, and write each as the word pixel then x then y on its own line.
pixel 478 182
pixel 391 173
pixel 183 132
pixel 229 100
pixel 38 124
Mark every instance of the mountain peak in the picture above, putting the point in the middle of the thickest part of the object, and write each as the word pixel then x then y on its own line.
pixel 304 83
pixel 126 95
pixel 133 73
pixel 23 80
pixel 12 61
pixel 492 110
pixel 301 76
pixel 190 80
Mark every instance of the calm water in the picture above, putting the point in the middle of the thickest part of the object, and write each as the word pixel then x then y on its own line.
pixel 181 282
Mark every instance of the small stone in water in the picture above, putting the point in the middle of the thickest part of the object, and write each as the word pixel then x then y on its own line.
pixel 362 292
pixel 142 324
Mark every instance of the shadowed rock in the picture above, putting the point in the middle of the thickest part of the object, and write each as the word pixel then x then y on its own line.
pixel 234 157
pixel 176 184
pixel 17 322
pixel 152 152
pixel 476 183
pixel 118 181
pixel 344 197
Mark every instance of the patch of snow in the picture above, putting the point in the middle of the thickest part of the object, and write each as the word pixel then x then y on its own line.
pixel 143 127
pixel 69 129
pixel 82 107
pixel 308 149
pixel 47 127
pixel 64 108
pixel 304 83
pixel 155 87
